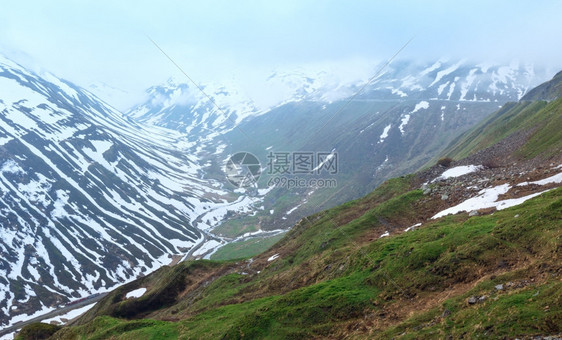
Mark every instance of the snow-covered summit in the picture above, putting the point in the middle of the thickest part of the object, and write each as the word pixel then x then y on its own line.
pixel 180 105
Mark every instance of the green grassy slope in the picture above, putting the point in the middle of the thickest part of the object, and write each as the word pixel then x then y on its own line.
pixel 333 280
pixel 246 248
pixel 535 117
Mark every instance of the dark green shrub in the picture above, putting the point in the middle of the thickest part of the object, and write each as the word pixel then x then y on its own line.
pixel 37 331
pixel 446 162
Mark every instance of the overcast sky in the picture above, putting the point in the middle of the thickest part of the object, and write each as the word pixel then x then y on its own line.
pixel 106 41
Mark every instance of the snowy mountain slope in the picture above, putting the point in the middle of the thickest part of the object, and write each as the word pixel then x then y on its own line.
pixel 457 81
pixel 184 108
pixel 88 198
pixel 181 106
pixel 404 118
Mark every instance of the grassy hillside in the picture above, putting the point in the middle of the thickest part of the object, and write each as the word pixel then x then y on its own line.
pixel 334 277
pixel 246 248
pixel 542 122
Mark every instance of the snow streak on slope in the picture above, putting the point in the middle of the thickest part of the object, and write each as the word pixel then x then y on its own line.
pixel 384 133
pixel 445 72
pixel 88 198
pixel 183 107
pixel 459 81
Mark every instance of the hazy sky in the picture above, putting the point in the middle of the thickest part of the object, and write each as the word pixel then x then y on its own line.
pixel 106 41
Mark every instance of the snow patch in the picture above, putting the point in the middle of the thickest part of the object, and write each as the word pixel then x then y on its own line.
pixel 458 171
pixel 212 244
pixel 60 203
pixel 137 293
pixel 70 315
pixel 413 227
pixel 9 336
pixel 399 92
pixel 468 83
pixel 384 133
pixel 421 105
pixel 487 198
pixel 273 258
pixel 445 72
pixel 451 90
pixel 441 88
pixel 403 123
pixel 431 68
pixel 11 167
pixel 292 210
pixel 552 179
pixel 326 160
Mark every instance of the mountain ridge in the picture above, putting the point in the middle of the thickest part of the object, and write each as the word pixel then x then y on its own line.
pixel 82 194
pixel 445 80
pixel 548 91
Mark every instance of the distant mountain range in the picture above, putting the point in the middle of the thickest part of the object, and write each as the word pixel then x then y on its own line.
pixel 182 106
